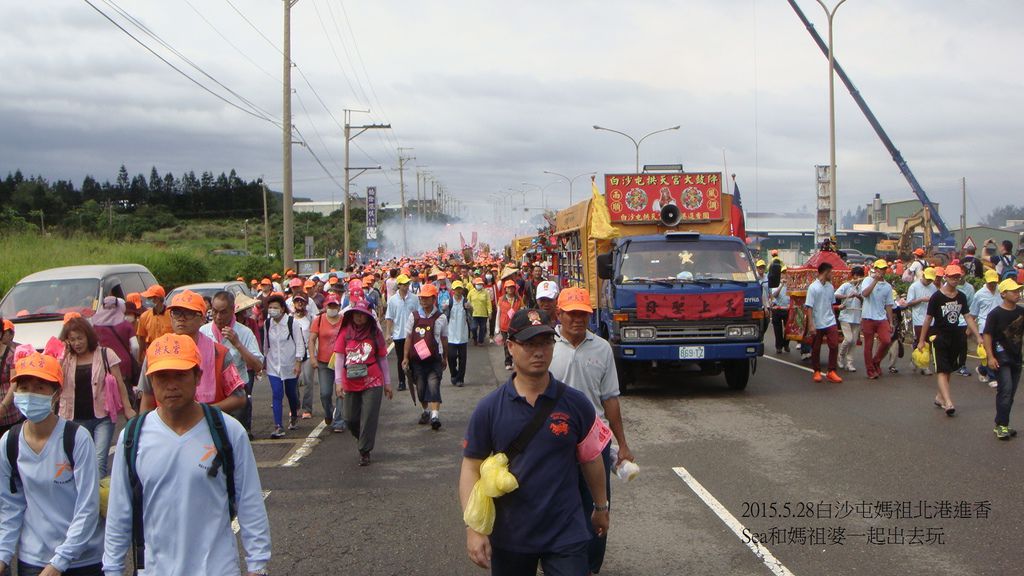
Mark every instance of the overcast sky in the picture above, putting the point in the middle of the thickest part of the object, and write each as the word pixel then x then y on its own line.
pixel 490 94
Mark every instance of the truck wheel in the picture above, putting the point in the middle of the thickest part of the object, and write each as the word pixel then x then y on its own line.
pixel 737 373
pixel 626 374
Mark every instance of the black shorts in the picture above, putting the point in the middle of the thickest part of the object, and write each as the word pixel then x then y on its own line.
pixel 949 351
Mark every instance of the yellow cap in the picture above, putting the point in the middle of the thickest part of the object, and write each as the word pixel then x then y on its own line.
pixel 881 264
pixel 991 276
pixel 929 273
pixel 760 263
pixel 1009 285
pixel 402 279
pixel 458 284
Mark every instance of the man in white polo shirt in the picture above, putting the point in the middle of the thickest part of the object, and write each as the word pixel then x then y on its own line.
pixel 821 323
pixel 184 481
pixel 585 362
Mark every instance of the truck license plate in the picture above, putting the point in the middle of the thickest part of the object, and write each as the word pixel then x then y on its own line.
pixel 691 352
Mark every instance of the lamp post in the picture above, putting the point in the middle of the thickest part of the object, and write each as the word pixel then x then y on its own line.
pixel 636 142
pixel 831 113
pixel 569 180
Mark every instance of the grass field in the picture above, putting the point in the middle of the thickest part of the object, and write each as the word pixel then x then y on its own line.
pixel 175 256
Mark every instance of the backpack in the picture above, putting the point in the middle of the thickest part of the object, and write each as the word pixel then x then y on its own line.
pixel 13 447
pixel 291 335
pixel 1008 271
pixel 225 459
pixel 775 274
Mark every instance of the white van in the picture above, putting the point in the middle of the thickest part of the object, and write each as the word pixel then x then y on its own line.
pixel 37 304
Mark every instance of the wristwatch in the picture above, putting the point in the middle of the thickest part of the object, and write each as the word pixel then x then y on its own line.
pixel 604 508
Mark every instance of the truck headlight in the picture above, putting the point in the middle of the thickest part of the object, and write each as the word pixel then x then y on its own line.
pixel 741 331
pixel 648 333
pixel 630 334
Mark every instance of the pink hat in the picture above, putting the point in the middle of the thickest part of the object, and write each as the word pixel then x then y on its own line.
pixel 295 282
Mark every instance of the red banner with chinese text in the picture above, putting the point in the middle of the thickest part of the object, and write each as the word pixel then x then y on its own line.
pixel 689 306
pixel 639 198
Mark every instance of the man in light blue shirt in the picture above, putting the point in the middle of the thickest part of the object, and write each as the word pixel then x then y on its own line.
pixel 876 318
pixel 396 321
pixel 984 301
pixel 821 323
pixel 458 333
pixel 849 315
pixel 918 295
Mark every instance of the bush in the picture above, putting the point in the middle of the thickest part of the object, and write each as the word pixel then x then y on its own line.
pixel 174 269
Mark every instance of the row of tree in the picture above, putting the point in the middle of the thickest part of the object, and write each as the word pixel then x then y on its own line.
pixel 128 206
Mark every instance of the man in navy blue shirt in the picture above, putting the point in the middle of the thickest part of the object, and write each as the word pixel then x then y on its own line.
pixel 542 521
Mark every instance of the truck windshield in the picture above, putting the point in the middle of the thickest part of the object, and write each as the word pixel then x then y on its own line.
pixel 51 298
pixel 686 261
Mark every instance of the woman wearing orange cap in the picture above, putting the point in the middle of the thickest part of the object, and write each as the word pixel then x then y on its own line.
pixel 49 491
pixel 509 303
pixel 88 370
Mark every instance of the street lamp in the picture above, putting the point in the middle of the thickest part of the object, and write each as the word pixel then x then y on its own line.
pixel 569 180
pixel 831 114
pixel 636 142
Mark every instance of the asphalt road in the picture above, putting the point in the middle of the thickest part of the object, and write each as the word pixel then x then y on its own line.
pixel 858 463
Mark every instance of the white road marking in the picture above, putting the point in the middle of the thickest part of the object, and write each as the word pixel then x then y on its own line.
pixel 234 523
pixel 787 362
pixel 306 447
pixel 737 528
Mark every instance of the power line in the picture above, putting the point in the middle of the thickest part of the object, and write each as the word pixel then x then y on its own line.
pixel 232 44
pixel 253 26
pixel 178 70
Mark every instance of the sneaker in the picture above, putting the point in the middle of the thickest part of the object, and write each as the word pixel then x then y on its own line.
pixel 328 420
pixel 893 370
pixel 338 429
pixel 963 371
pixel 817 377
pixel 1002 432
pixel 850 367
pixel 277 433
pixel 307 415
pixel 435 423
pixel 993 384
pixel 424 418
pixel 833 377
pixel 508 366
pixel 293 424
pixel 364 458
pixel 982 377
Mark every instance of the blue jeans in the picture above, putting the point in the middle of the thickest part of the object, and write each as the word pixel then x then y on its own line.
pixel 102 432
pixel 327 396
pixel 598 544
pixel 280 388
pixel 571 561
pixel 480 329
pixel 1008 377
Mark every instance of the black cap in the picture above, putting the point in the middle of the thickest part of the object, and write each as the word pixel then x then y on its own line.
pixel 527 323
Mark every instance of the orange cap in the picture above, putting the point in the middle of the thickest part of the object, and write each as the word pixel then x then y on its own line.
pixel 290 273
pixel 276 276
pixel 332 280
pixel 41 366
pixel 189 300
pixel 574 300
pixel 428 290
pixel 71 316
pixel 954 270
pixel 154 291
pixel 309 284
pixel 134 298
pixel 172 352
pixel 508 283
pixel 8 325
pixel 940 271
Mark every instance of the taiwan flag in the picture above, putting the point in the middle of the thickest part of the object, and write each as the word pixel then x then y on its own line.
pixel 738 223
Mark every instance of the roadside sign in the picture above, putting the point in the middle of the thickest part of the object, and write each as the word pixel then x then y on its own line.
pixel 969 243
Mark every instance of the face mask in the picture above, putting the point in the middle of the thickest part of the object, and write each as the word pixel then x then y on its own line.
pixel 332 313
pixel 274 313
pixel 489 277
pixel 479 286
pixel 35 407
pixel 148 303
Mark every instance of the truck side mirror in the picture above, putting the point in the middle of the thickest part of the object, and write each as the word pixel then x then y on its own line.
pixel 604 266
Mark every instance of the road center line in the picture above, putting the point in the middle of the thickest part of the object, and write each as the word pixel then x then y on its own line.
pixel 235 527
pixel 787 362
pixel 306 447
pixel 737 528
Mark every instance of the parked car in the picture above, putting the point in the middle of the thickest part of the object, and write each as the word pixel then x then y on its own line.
pixel 855 257
pixel 38 302
pixel 208 289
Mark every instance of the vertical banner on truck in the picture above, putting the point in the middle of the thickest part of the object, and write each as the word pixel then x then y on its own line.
pixel 371 217
pixel 639 198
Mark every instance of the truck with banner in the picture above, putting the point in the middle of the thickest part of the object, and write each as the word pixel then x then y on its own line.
pixel 670 285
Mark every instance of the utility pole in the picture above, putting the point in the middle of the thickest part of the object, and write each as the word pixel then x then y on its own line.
pixel 348 179
pixel 288 253
pixel 266 220
pixel 963 213
pixel 401 186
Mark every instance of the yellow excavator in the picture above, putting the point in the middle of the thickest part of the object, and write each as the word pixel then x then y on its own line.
pixel 902 247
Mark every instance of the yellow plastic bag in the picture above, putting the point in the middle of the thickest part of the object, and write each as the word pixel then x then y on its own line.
pixel 922 357
pixel 104 495
pixel 332 362
pixel 981 353
pixel 495 481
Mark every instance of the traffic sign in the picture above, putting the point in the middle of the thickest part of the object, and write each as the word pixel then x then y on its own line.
pixel 969 243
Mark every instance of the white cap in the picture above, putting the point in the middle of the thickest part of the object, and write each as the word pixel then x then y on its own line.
pixel 547 289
